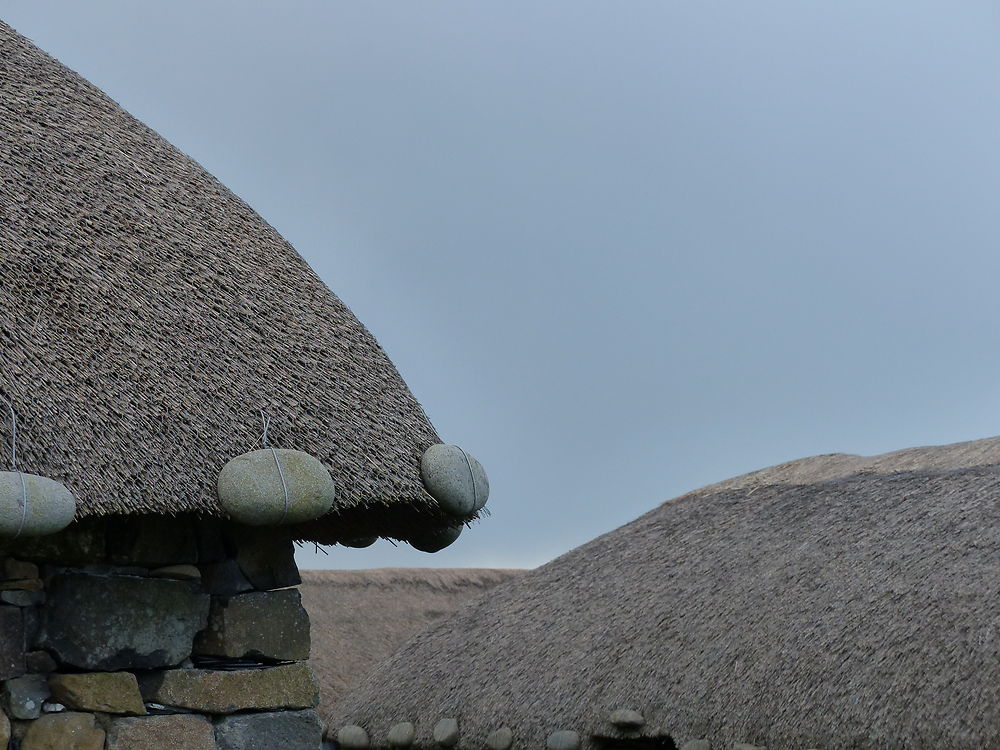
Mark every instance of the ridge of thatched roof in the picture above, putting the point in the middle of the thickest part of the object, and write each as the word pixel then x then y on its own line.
pixel 360 617
pixel 149 315
pixel 858 609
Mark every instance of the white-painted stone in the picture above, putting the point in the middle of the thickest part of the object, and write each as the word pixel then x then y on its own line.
pixel 402 734
pixel 353 737
pixel 50 506
pixel 455 479
pixel 436 540
pixel 250 487
pixel 501 739
pixel 446 732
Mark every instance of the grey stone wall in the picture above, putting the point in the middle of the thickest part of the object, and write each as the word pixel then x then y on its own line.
pixel 154 632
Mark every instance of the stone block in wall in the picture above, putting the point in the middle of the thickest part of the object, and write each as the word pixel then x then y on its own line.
pixel 11 642
pixel 288 730
pixel 289 686
pixel 32 622
pixel 23 696
pixel 80 543
pixel 152 541
pixel 184 572
pixel 266 556
pixel 11 569
pixel 39 662
pixel 64 731
pixel 22 584
pixel 262 625
pixel 224 579
pixel 154 621
pixel 22 598
pixel 105 692
pixel 5 732
pixel 177 732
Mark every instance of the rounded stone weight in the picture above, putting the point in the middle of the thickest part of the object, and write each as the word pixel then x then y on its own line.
pixel 501 739
pixel 437 540
pixel 446 732
pixel 563 739
pixel 251 491
pixel 352 737
pixel 627 718
pixel 402 734
pixel 455 479
pixel 50 507
pixel 360 541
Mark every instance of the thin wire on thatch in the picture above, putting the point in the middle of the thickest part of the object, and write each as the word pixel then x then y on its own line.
pixel 147 315
pixel 360 617
pixel 855 611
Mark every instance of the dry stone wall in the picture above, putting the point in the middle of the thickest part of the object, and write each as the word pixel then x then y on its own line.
pixel 154 632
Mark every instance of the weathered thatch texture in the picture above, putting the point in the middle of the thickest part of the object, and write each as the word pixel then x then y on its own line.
pixel 859 611
pixel 148 315
pixel 985 452
pixel 360 617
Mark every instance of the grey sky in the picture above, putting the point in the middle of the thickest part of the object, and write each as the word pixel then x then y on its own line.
pixel 617 250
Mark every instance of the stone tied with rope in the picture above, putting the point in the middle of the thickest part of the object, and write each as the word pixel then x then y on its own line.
pixel 31 505
pixel 273 486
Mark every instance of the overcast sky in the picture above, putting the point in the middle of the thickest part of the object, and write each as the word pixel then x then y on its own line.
pixel 617 250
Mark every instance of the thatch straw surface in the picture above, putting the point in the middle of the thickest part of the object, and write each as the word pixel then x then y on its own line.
pixel 360 617
pixel 855 611
pixel 147 314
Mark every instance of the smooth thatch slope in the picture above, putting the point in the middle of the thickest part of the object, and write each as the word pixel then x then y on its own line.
pixel 858 610
pixel 148 315
pixel 360 617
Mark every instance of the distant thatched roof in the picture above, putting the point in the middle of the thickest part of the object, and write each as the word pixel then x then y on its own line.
pixel 831 603
pixel 360 617
pixel 148 315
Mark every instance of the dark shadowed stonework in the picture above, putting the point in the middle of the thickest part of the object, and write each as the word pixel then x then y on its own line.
pixel 111 636
pixel 118 622
pixel 11 642
pixel 269 625
pixel 288 730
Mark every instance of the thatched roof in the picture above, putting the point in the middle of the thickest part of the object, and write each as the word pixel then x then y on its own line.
pixel 360 617
pixel 148 315
pixel 831 603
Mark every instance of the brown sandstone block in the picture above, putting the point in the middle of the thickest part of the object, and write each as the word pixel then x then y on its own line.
pixel 290 686
pixel 106 692
pixel 63 731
